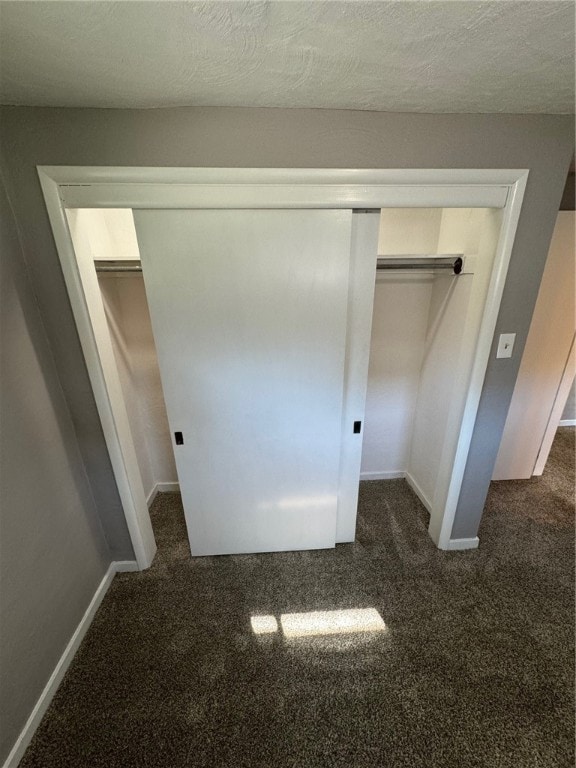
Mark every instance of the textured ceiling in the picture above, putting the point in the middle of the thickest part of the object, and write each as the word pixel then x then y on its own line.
pixel 422 56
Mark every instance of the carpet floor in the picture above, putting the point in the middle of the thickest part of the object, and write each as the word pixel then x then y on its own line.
pixel 475 667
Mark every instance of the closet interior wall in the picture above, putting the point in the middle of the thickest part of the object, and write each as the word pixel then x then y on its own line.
pixel 424 332
pixel 111 236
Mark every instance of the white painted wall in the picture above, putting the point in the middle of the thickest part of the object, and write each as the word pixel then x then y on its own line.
pixel 129 322
pixel 399 327
pixel 544 360
pixel 462 229
pixel 456 309
pixel 409 230
pixel 424 337
pixel 109 235
pixel 123 352
pixel 448 306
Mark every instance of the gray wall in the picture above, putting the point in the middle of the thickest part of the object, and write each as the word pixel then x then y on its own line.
pixel 286 138
pixel 53 552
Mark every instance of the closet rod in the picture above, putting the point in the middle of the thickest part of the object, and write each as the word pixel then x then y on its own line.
pixel 117 266
pixel 451 261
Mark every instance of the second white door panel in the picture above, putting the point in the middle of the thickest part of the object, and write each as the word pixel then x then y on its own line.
pixel 249 315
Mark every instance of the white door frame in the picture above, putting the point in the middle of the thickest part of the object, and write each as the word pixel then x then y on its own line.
pixel 114 187
pixel 557 409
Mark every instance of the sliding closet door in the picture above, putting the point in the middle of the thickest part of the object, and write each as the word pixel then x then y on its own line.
pixel 248 309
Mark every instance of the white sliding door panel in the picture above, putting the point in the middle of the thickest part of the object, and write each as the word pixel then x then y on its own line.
pixel 249 309
pixel 363 257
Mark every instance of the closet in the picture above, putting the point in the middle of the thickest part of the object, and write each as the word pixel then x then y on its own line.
pixel 108 237
pixel 424 333
pixel 292 357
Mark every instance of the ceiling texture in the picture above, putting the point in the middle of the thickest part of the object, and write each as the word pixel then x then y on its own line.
pixel 509 56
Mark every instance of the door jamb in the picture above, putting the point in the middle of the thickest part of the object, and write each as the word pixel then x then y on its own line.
pixel 114 187
pixel 556 413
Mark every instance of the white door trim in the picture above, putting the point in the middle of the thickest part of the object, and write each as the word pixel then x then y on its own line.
pixel 557 409
pixel 96 187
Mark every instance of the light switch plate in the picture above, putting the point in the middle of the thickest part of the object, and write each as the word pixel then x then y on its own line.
pixel 506 344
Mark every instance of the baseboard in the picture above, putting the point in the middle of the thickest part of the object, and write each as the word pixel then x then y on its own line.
pixel 567 423
pixel 161 488
pixel 382 475
pixel 454 544
pixel 418 491
pixel 57 675
pixel 151 496
pixel 168 487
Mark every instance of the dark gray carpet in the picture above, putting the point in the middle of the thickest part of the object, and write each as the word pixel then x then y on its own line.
pixel 475 669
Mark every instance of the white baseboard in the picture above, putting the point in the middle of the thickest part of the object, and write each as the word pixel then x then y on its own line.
pixel 151 496
pixel 454 544
pixel 57 675
pixel 168 487
pixel 382 475
pixel 161 488
pixel 567 423
pixel 418 491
